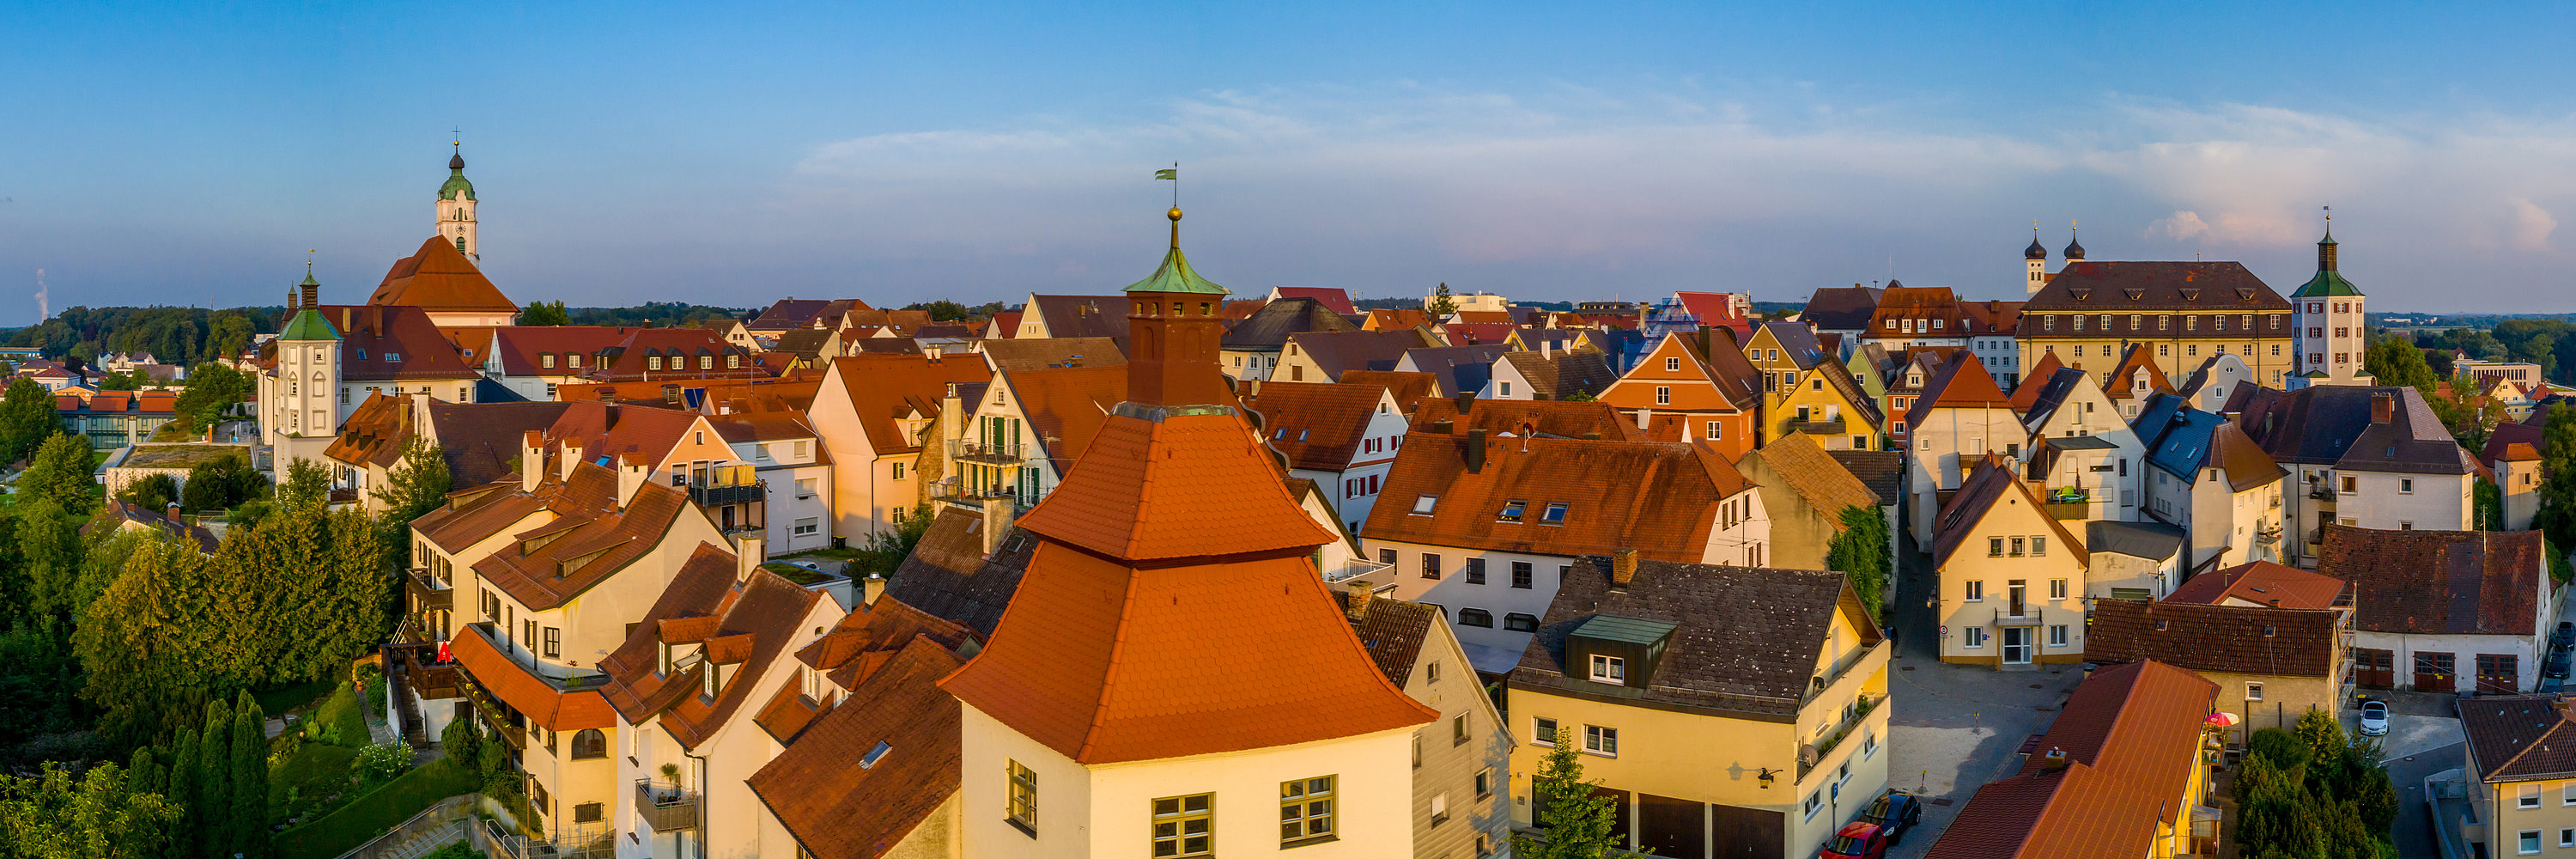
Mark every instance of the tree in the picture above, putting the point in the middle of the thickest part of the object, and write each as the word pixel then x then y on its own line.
pixel 1861 552
pixel 307 484
pixel 227 335
pixel 250 779
pixel 213 389
pixel 543 313
pixel 120 380
pixel 153 493
pixel 49 544
pixel 2556 516
pixel 416 485
pixel 2398 361
pixel 942 310
pixel 182 787
pixel 1441 305
pixel 141 647
pixel 1577 820
pixel 221 484
pixel 94 816
pixel 61 473
pixel 26 419
pixel 215 779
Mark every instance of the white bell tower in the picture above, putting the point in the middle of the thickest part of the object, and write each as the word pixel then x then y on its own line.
pixel 456 207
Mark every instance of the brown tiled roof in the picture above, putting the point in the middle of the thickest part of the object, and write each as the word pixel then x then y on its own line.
pixel 883 387
pixel 2124 374
pixel 1105 660
pixel 803 313
pixel 1081 315
pixel 1558 418
pixel 1201 495
pixel 2439 582
pixel 1393 630
pixel 1408 388
pixel 2100 287
pixel 1880 470
pixel 837 809
pixel 1268 328
pixel 1563 374
pixel 479 440
pixel 883 626
pixel 440 277
pixel 1747 637
pixel 373 433
pixel 521 347
pixel 2131 736
pixel 1382 319
pixel 714 396
pixel 702 351
pixel 1840 308
pixel 596 537
pixel 1993 481
pixel 2262 583
pixel 2519 738
pixel 554 709
pixel 1807 470
pixel 380 343
pixel 948 575
pixel 1315 424
pixel 1476 333
pixel 2225 638
pixel 1038 353
pixel 760 616
pixel 1065 406
pixel 1664 504
pixel 1991 316
pixel 607 430
pixel 1339 352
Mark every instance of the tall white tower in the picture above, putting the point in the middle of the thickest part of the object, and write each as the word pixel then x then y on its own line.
pixel 456 207
pixel 2332 333
pixel 2037 257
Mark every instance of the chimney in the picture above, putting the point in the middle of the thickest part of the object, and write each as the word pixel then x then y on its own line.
pixel 749 551
pixel 2383 407
pixel 871 588
pixel 312 294
pixel 1645 418
pixel 1255 387
pixel 607 395
pixel 632 469
pixel 1475 451
pixel 2054 760
pixel 344 318
pixel 1444 427
pixel 1356 602
pixel 1623 568
pixel 999 513
pixel 172 512
pixel 572 456
pixel 532 460
pixel 1466 400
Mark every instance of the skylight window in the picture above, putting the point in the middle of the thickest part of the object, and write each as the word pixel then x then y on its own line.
pixel 1513 510
pixel 1422 504
pixel 874 755
pixel 1555 514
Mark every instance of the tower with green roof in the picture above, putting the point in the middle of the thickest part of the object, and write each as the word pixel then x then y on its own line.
pixel 456 207
pixel 299 395
pixel 2331 333
pixel 1174 326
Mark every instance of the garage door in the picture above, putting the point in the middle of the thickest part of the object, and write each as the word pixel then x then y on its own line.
pixel 1748 832
pixel 1672 827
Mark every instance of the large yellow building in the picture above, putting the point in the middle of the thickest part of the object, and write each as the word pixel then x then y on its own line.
pixel 2183 312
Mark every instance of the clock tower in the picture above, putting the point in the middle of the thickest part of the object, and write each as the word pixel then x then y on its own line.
pixel 456 207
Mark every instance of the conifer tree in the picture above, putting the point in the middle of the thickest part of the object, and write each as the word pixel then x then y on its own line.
pixel 141 648
pixel 1578 822
pixel 182 791
pixel 143 771
pixel 250 779
pixel 61 473
pixel 214 781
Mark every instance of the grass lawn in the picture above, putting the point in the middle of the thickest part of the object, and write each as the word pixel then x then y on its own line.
pixel 341 710
pixel 828 554
pixel 372 814
pixel 276 702
pixel 799 575
pixel 315 771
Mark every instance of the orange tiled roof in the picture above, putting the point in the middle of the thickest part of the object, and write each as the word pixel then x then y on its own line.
pixel 1962 383
pixel 2262 583
pixel 515 685
pixel 836 809
pixel 2130 363
pixel 1664 504
pixel 756 618
pixel 1407 388
pixel 2131 736
pixel 882 386
pixel 1207 490
pixel 1065 405
pixel 440 278
pixel 2033 380
pixel 1572 419
pixel 1316 425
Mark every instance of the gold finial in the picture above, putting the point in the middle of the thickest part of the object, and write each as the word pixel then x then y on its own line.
pixel 1175 215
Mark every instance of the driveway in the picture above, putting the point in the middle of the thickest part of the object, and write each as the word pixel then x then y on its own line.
pixel 2414 831
pixel 1955 727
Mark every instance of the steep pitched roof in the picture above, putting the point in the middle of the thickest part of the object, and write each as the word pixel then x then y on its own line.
pixel 1993 482
pixel 1880 470
pixel 1334 298
pixel 1713 309
pixel 755 621
pixel 1269 327
pixel 438 277
pixel 2130 735
pixel 1797 342
pixel 2045 368
pixel 2223 638
pixel 1807 470
pixel 591 538
pixel 882 388
pixel 549 706
pixel 1340 352
pixel 1316 425
pixel 2123 384
pixel 2121 289
pixel 1523 417
pixel 2192 439
pixel 605 430
pixel 1408 389
pixel 1746 639
pixel 386 343
pixel 523 348
pixel 1958 385
pixel 1393 630
pixel 835 802
pixel 1664 505
pixel 1563 374
pixel 1459 368
pixel 1038 353
pixel 2519 738
pixel 1165 633
pixel 948 574
pixel 2439 582
pixel 2262 583
pixel 1065 406
pixel 1080 315
pixel 1836 308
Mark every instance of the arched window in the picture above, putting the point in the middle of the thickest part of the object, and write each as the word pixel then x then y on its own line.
pixel 460 240
pixel 589 743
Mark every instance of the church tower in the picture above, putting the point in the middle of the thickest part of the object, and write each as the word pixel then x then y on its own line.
pixel 456 207
pixel 2037 259
pixel 2331 333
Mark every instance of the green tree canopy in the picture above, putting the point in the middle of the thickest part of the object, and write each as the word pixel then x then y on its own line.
pixel 1578 821
pixel 91 816
pixel 26 419
pixel 222 484
pixel 154 492
pixel 63 473
pixel 212 390
pixel 544 313
pixel 1441 304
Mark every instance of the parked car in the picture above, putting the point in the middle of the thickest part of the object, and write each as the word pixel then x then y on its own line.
pixel 1896 811
pixel 1857 840
pixel 2557 663
pixel 2565 637
pixel 2374 718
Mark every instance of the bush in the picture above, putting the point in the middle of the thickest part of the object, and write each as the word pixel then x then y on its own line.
pixel 310 776
pixel 377 764
pixel 374 812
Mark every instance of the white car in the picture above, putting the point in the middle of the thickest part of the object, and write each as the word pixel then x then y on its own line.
pixel 2374 718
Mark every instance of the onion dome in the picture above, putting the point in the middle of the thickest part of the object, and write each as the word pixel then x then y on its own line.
pixel 456 187
pixel 2074 249
pixel 2035 251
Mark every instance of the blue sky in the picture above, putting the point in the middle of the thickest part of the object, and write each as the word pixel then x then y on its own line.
pixel 731 155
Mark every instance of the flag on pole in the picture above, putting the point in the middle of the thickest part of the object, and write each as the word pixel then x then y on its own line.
pixel 1173 174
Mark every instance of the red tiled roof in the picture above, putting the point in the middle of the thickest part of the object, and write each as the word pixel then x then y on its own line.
pixel 1664 504
pixel 515 685
pixel 2131 737
pixel 837 809
pixel 1381 319
pixel 1715 309
pixel 1959 384
pixel 2033 380
pixel 439 277
pixel 759 617
pixel 1476 333
pixel 1407 388
pixel 2261 583
pixel 883 386
pixel 596 537
pixel 1209 491
pixel 606 430
pixel 1993 480
pixel 387 343
pixel 703 352
pixel 1335 298
pixel 520 347
pixel 1571 419
pixel 1066 405
pixel 1104 661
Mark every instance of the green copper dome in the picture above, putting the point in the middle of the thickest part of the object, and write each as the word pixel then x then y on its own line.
pixel 1175 274
pixel 2328 283
pixel 308 324
pixel 456 185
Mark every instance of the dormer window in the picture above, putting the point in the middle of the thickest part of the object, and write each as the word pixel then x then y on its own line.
pixel 1609 669
pixel 546 360
pixel 393 357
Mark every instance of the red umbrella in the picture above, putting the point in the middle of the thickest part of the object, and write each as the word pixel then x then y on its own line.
pixel 2222 719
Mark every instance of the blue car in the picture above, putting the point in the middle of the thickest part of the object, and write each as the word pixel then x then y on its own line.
pixel 1896 811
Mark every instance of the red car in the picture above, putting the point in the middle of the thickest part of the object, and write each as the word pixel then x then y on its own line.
pixel 1858 840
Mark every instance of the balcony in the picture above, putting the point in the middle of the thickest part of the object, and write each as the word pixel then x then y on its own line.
pixel 2018 614
pixel 1816 427
pixel 666 807
pixel 2322 493
pixel 1861 707
pixel 713 494
pixel 989 453
pixel 947 491
pixel 1355 568
pixel 426 591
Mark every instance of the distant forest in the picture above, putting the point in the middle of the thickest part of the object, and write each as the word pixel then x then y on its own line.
pixel 189 335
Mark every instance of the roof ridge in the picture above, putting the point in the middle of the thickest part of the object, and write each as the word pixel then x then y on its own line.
pixel 1109 675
